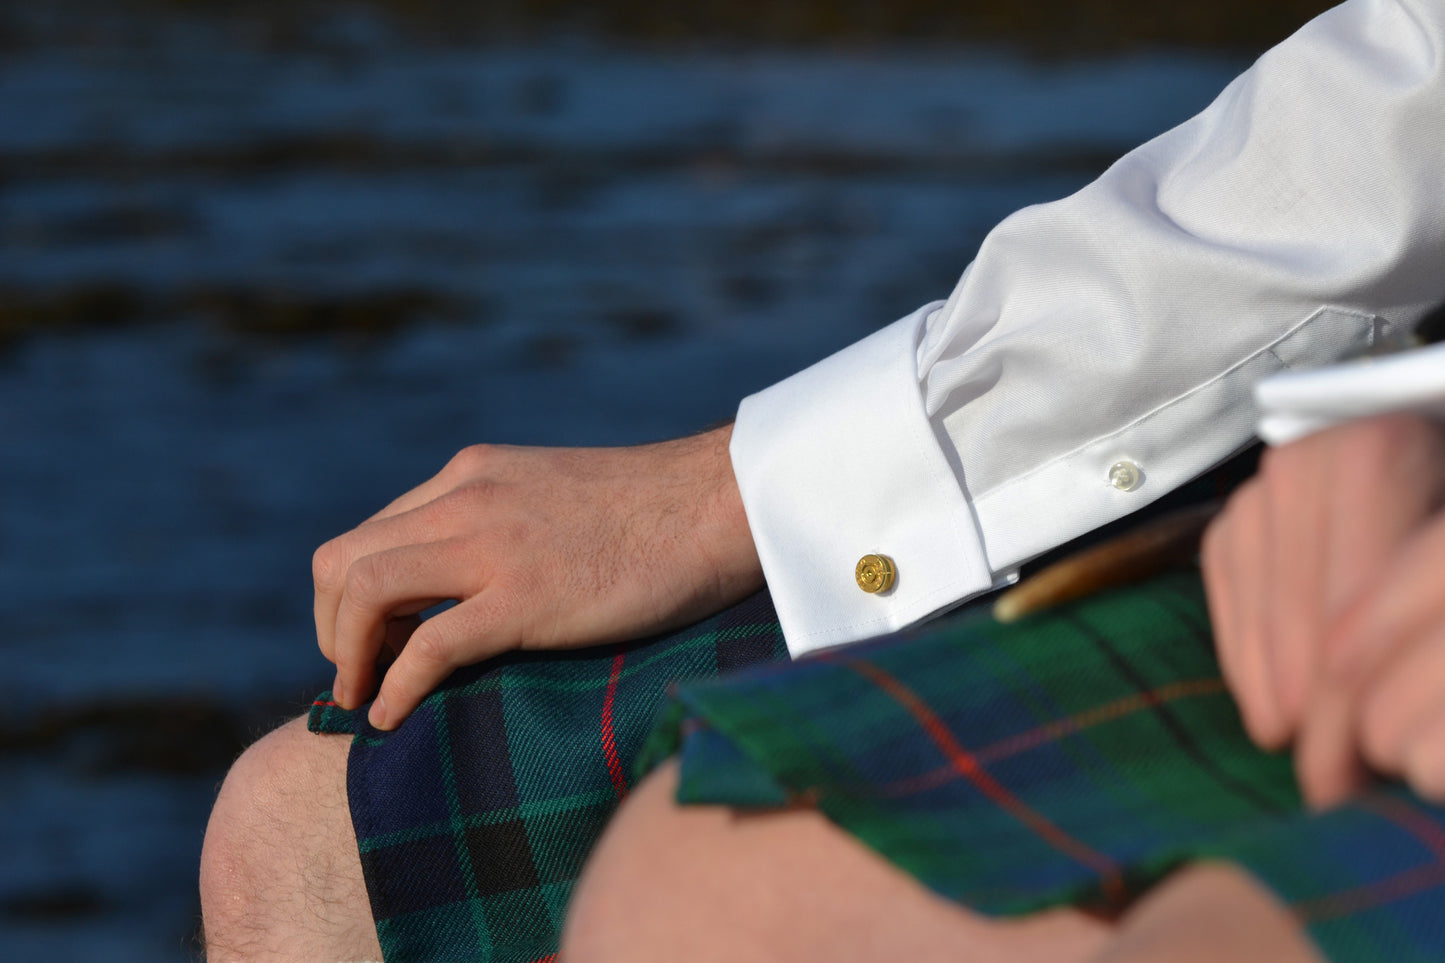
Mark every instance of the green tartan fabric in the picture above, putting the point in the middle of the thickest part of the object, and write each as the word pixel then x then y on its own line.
pixel 474 817
pixel 1075 757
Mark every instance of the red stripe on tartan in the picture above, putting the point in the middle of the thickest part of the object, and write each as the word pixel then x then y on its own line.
pixel 609 743
pixel 1052 731
pixel 1395 887
pixel 549 958
pixel 1421 827
pixel 328 702
pixel 1349 901
pixel 968 766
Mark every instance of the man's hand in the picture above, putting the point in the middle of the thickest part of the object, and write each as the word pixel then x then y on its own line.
pixel 1298 555
pixel 1382 693
pixel 540 548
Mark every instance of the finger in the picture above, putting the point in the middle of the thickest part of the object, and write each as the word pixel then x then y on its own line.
pixel 1399 698
pixel 398 631
pixel 380 587
pixel 473 463
pixel 1242 567
pixel 1327 761
pixel 1391 479
pixel 332 562
pixel 1423 764
pixel 393 639
pixel 1401 602
pixel 1371 517
pixel 1214 566
pixel 1296 511
pixel 469 632
pixel 428 491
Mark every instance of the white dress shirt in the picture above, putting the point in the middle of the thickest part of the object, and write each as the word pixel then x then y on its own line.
pixel 1101 349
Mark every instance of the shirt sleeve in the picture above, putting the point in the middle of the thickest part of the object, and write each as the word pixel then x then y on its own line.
pixel 1100 349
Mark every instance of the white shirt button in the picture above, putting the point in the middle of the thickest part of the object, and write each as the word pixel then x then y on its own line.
pixel 1125 476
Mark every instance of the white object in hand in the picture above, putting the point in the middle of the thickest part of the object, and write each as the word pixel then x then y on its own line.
pixel 1293 404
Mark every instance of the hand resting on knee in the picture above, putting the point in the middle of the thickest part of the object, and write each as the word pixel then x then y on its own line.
pixel 539 548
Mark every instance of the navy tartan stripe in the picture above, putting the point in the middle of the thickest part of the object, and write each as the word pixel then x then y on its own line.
pixel 475 816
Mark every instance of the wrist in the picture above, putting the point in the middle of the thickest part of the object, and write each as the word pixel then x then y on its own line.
pixel 723 537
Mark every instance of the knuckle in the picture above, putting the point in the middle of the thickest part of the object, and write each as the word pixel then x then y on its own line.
pixel 428 646
pixel 327 565
pixel 470 460
pixel 366 580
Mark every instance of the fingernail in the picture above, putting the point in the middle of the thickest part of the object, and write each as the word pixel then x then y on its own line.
pixel 377 715
pixel 338 694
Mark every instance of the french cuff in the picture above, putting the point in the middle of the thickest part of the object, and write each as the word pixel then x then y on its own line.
pixel 840 462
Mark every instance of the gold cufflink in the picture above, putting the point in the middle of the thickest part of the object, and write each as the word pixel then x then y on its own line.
pixel 875 573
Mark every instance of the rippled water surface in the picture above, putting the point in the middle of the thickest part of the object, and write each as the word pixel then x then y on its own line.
pixel 250 290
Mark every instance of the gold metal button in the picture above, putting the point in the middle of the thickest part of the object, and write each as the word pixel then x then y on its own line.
pixel 874 573
pixel 1125 476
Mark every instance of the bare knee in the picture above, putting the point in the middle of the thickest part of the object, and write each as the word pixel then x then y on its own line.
pixel 1209 912
pixel 706 883
pixel 279 867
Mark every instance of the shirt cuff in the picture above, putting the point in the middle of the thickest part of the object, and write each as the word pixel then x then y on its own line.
pixel 840 461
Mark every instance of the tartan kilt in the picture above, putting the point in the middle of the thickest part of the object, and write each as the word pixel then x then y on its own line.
pixel 474 817
pixel 1075 757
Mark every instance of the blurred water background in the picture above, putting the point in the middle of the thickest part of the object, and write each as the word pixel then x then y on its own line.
pixel 264 266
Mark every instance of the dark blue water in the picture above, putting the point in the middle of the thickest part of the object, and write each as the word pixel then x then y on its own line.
pixel 250 291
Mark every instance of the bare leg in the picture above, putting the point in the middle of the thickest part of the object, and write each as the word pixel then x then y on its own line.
pixel 707 884
pixel 280 875
pixel 1209 912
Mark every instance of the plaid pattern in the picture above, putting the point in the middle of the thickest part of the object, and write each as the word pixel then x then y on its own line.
pixel 1074 757
pixel 475 816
